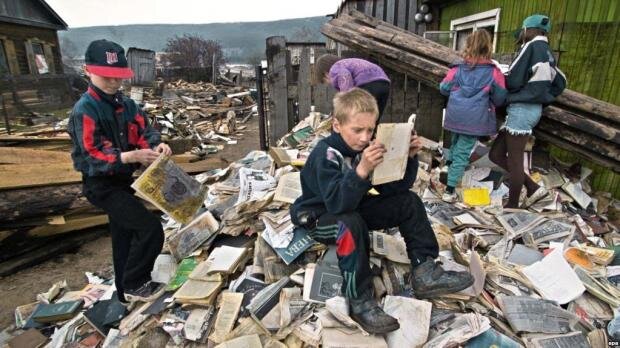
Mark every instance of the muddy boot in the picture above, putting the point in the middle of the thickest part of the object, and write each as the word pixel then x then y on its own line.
pixel 366 312
pixel 431 280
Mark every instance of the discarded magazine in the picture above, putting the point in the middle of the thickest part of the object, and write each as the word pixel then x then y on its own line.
pixel 170 189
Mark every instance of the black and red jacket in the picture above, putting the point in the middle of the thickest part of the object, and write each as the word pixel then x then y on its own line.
pixel 101 127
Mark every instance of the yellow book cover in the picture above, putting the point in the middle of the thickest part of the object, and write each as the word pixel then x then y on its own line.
pixel 170 189
pixel 476 196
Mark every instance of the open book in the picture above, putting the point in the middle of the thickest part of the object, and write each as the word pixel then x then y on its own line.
pixel 396 138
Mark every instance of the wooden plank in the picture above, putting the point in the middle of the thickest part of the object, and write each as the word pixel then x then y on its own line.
pixel 601 130
pixel 428 121
pixel 369 7
pixel 412 26
pixel 361 5
pixel 49 57
pixel 390 9
pixel 579 137
pixel 26 139
pixel 31 175
pixel 329 100
pixel 580 150
pixel 304 88
pixel 26 203
pixel 401 14
pixel 423 69
pixel 387 113
pixel 379 11
pixel 9 48
pixel 410 95
pixel 397 94
pixel 204 165
pixel 278 86
pixel 319 98
pixel 290 100
pixel 18 155
pixel 32 67
pixel 75 224
pixel 185 158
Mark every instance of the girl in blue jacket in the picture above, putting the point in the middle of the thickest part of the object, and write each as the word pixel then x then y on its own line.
pixel 475 87
pixel 533 81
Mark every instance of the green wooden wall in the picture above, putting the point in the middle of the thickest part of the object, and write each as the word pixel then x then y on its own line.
pixel 585 34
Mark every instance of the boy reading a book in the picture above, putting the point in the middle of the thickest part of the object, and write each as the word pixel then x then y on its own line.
pixel 336 208
pixel 111 139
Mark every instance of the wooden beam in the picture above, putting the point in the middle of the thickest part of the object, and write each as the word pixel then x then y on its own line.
pixel 409 42
pixel 590 155
pixel 390 8
pixel 581 123
pixel 278 119
pixel 590 142
pixel 75 224
pixel 304 84
pixel 204 165
pixel 31 175
pixel 576 119
pixel 429 72
pixel 573 100
pixel 401 14
pixel 26 203
pixel 19 155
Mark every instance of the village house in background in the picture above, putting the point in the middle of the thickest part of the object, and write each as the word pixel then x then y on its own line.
pixel 31 70
pixel 142 62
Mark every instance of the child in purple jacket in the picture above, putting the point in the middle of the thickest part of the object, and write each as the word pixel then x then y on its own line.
pixel 346 73
pixel 475 87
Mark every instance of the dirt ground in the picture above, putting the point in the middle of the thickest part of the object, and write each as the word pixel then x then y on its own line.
pixel 95 256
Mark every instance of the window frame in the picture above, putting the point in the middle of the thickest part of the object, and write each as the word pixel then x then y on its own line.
pixel 4 62
pixel 475 21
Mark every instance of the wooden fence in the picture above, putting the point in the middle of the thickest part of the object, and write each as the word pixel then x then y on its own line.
pixel 290 93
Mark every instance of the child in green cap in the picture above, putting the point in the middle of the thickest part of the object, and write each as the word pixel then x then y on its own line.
pixel 533 81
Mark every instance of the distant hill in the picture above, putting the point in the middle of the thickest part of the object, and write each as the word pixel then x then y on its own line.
pixel 241 41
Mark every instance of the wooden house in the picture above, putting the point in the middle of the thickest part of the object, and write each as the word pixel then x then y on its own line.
pixel 31 68
pixel 142 62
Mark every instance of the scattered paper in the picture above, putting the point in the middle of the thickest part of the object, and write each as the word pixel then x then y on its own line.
pixel 554 278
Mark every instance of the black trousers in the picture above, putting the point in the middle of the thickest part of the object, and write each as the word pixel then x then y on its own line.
pixel 381 91
pixel 350 233
pixel 137 234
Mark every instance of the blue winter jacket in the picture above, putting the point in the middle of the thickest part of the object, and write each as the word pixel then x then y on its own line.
pixel 474 90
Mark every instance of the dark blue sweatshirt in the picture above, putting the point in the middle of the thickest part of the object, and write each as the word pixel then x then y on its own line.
pixel 329 182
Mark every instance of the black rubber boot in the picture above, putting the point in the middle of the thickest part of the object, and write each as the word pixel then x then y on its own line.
pixel 366 312
pixel 431 280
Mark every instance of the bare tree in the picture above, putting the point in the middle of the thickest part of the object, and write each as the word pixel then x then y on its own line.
pixel 193 51
pixel 68 49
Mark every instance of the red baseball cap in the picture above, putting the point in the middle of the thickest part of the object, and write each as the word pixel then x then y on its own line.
pixel 106 58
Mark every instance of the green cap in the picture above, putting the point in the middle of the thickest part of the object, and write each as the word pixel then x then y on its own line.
pixel 537 21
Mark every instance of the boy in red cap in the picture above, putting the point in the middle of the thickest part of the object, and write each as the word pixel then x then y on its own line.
pixel 111 139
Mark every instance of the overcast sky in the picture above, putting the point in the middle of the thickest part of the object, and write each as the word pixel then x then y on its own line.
pixel 86 13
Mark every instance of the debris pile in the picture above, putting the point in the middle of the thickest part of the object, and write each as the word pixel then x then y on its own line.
pixel 238 273
pixel 41 199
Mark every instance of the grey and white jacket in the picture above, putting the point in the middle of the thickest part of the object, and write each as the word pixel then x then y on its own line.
pixel 533 76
